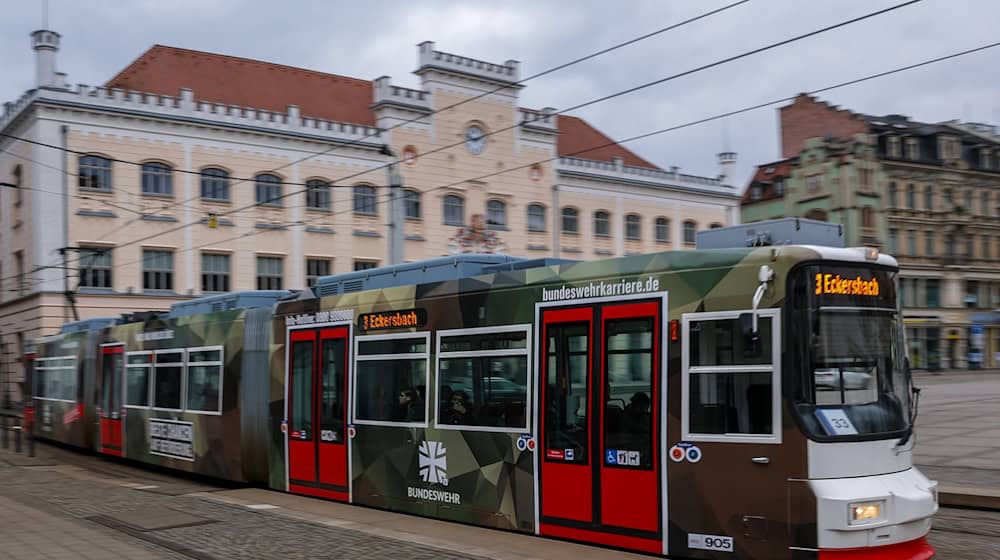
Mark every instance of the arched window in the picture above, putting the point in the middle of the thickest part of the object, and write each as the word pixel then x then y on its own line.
pixel 95 173
pixel 268 189
pixel 689 228
pixel 411 204
pixel 536 217
pixel 454 210
pixel 602 223
pixel 364 200
pixel 632 226
pixel 317 194
pixel 158 179
pixel 570 221
pixel 215 184
pixel 496 214
pixel 662 230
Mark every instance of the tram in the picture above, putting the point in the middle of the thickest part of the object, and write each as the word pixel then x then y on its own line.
pixel 731 403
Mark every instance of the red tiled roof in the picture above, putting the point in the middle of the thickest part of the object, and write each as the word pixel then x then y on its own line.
pixel 232 80
pixel 765 176
pixel 249 83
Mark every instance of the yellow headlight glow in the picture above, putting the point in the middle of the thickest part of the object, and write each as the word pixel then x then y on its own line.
pixel 866 512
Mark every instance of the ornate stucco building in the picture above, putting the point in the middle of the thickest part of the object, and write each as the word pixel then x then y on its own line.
pixel 192 172
pixel 927 193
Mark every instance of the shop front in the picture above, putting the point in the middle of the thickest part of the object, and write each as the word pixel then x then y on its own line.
pixel 923 336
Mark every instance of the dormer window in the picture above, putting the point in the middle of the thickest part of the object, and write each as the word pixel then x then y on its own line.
pixel 755 192
pixel 779 187
pixel 985 161
pixel 912 149
pixel 892 145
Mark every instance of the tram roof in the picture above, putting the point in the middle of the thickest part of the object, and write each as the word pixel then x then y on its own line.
pixel 423 272
pixel 88 324
pixel 221 302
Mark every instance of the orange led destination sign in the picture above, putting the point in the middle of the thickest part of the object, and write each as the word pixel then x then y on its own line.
pixel 837 285
pixel 392 319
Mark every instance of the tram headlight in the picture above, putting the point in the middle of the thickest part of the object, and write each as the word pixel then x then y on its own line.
pixel 863 513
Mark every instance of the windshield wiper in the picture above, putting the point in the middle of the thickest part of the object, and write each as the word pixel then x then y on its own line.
pixel 915 391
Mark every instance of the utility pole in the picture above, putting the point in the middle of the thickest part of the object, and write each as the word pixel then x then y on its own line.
pixel 397 219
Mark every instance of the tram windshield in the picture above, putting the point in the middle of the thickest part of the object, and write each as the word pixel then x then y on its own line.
pixel 846 331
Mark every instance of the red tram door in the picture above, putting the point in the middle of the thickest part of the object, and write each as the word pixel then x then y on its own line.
pixel 112 371
pixel 317 413
pixel 600 424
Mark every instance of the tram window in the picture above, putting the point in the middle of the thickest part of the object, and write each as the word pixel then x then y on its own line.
pixel 731 403
pixel 137 374
pixel 730 391
pixel 302 368
pixel 566 433
pixel 331 422
pixel 720 342
pixel 55 378
pixel 169 372
pixel 628 421
pixel 204 380
pixel 392 380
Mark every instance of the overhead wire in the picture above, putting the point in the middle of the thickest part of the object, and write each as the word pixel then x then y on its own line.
pixel 608 97
pixel 660 131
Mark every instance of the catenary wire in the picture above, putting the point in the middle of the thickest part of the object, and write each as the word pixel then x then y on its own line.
pixel 562 111
pixel 687 124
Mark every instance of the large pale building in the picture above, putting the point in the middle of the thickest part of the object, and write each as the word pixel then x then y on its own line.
pixel 927 193
pixel 191 172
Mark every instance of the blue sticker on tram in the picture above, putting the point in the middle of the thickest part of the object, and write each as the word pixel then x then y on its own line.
pixel 612 457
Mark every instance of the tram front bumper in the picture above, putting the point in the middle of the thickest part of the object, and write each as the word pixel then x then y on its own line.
pixel 874 514
pixel 918 549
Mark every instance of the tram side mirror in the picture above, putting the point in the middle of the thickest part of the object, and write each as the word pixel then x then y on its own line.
pixel 751 338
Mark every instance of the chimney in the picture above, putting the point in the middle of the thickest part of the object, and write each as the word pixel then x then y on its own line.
pixel 726 162
pixel 46 46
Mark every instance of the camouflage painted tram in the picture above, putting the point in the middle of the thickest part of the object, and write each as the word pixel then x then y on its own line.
pixel 732 403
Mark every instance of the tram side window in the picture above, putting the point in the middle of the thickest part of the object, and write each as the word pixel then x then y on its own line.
pixel 565 420
pixel 392 380
pixel 302 367
pixel 137 372
pixel 55 378
pixel 168 376
pixel 483 380
pixel 628 425
pixel 332 401
pixel 730 390
pixel 204 380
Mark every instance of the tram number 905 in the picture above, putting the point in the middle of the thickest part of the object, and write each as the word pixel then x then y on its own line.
pixel 710 542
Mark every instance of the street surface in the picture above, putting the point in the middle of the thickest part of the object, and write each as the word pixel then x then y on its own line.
pixel 64 505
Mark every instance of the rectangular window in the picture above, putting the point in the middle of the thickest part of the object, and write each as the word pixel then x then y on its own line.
pixel 928 199
pixel 56 378
pixel 365 265
pixel 893 241
pixel 566 385
pixel 138 370
pixel 730 383
pixel 157 270
pixel 332 398
pixel 95 268
pixel 316 268
pixel 483 379
pixel 204 379
pixel 391 379
pixel 168 379
pixel 911 196
pixel 214 273
pixel 929 248
pixel 302 387
pixel 269 273
pixel 911 242
pixel 629 355
pixel 932 289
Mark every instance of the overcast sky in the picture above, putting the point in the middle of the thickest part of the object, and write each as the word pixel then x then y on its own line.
pixel 369 39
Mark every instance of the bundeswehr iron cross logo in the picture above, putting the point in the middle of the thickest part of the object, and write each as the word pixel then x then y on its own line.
pixel 433 463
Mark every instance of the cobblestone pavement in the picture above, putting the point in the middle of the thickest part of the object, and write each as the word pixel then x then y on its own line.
pixel 74 507
pixel 958 428
pixel 966 534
